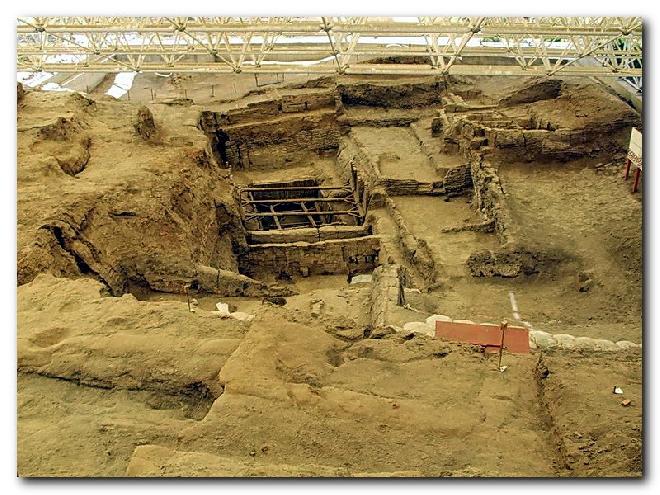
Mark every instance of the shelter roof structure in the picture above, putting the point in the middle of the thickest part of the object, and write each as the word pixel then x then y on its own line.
pixel 498 46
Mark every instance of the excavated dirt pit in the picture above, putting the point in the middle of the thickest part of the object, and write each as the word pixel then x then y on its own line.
pixel 295 204
pixel 332 217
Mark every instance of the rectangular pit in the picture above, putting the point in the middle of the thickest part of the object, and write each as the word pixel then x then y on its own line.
pixel 296 204
pixel 303 228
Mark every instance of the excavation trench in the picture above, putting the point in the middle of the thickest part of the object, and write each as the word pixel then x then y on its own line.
pixel 194 400
pixel 329 218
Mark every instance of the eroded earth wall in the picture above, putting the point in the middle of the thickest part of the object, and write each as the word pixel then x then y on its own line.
pixel 319 376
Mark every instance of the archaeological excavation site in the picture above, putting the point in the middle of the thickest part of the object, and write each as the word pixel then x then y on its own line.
pixel 329 247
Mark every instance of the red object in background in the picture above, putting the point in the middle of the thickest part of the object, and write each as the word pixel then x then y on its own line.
pixel 516 339
pixel 638 173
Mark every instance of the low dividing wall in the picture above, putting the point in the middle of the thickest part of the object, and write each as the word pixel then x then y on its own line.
pixel 352 156
pixel 320 258
pixel 416 252
pixel 489 198
pixel 269 109
pixel 386 293
pixel 310 234
pixel 356 167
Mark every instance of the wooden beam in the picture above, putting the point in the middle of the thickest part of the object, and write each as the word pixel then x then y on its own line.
pixel 302 213
pixel 299 200
pixel 295 188
pixel 311 219
pixel 275 217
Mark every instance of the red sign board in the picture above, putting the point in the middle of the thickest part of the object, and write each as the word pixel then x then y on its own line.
pixel 516 339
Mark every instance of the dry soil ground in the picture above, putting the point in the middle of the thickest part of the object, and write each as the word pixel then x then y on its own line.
pixel 117 377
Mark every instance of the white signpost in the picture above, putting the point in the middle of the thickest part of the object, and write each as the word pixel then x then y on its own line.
pixel 635 148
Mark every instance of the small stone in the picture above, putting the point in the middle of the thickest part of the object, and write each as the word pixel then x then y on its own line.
pixel 542 339
pixel 144 124
pixel 253 453
pixel 433 318
pixel 223 309
pixel 275 300
pixel 241 316
pixel 419 328
pixel 626 402
pixel 584 281
pixel 396 328
pixel 583 343
pixel 626 344
pixel 361 279
pixel 605 345
pixel 317 308
pixel 565 340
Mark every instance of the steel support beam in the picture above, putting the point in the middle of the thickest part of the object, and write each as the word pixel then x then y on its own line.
pixel 326 45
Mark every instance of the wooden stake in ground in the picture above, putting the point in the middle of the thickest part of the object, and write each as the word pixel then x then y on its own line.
pixel 503 326
pixel 187 295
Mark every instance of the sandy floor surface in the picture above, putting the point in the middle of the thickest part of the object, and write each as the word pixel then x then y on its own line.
pixel 116 377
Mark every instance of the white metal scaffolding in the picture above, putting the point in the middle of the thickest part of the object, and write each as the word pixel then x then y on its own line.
pixel 513 46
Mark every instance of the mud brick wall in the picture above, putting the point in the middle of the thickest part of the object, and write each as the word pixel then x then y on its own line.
pixel 352 157
pixel 387 293
pixel 458 179
pixel 269 109
pixel 361 121
pixel 513 258
pixel 535 90
pixel 320 258
pixel 276 131
pixel 304 102
pixel 289 139
pixel 513 262
pixel 562 144
pixel 253 112
pixel 534 137
pixel 324 233
pixel 405 187
pixel 416 251
pixel 392 96
pixel 490 200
